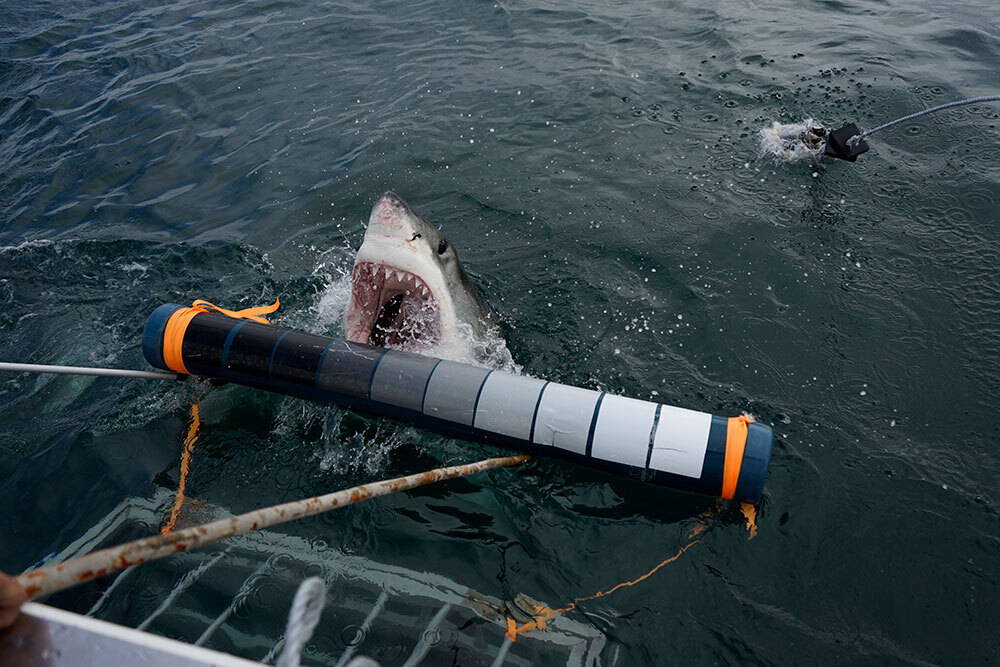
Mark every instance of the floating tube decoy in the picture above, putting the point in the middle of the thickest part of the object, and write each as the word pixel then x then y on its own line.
pixel 675 447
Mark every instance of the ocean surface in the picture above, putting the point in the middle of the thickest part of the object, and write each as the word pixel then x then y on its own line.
pixel 597 166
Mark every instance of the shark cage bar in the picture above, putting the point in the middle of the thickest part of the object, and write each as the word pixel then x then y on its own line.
pixel 679 448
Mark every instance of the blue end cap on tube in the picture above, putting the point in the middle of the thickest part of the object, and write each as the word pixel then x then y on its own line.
pixel 756 459
pixel 152 335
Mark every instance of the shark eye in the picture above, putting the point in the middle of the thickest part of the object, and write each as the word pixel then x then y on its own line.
pixel 442 247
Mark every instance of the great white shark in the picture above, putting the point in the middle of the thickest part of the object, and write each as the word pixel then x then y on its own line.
pixel 410 292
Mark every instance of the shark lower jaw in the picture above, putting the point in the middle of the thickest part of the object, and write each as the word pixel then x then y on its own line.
pixel 391 307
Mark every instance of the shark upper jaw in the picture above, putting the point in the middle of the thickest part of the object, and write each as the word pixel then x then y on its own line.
pixel 393 307
pixel 399 297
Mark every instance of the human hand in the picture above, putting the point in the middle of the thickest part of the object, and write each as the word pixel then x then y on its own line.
pixel 12 596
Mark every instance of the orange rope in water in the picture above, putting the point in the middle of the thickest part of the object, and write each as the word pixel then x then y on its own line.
pixel 750 514
pixel 189 441
pixel 544 614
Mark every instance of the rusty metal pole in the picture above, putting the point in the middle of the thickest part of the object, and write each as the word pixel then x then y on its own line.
pixel 54 578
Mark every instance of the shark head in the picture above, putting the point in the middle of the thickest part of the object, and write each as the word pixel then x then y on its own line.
pixel 408 289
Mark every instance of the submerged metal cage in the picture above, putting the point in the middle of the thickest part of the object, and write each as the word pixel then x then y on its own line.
pixel 234 597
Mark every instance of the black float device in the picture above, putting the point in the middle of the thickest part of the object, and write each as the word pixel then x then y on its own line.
pixel 681 448
pixel 840 146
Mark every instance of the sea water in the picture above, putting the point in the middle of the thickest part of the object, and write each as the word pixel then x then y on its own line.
pixel 597 166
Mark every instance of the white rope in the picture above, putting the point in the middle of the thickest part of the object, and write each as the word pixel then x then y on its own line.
pixel 973 100
pixel 302 619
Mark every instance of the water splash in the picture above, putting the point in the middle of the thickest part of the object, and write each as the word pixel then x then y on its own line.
pixel 345 445
pixel 794 142
pixel 488 349
pixel 331 305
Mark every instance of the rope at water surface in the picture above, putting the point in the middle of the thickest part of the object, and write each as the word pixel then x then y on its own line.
pixel 541 615
pixel 186 452
pixel 941 107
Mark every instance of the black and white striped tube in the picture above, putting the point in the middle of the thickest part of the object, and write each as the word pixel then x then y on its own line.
pixel 680 448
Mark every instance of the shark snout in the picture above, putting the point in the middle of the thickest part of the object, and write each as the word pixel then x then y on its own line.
pixel 393 199
pixel 389 215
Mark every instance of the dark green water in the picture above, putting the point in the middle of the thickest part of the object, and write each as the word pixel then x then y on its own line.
pixel 596 165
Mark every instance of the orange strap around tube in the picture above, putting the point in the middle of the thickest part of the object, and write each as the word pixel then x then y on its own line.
pixel 173 338
pixel 173 333
pixel 736 441
pixel 245 314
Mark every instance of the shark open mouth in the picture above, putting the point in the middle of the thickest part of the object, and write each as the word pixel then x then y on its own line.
pixel 393 308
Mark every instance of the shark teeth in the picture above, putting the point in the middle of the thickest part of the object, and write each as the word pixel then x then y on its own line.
pixel 385 280
pixel 391 307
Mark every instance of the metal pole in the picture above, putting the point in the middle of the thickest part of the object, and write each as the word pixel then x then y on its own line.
pixel 83 370
pixel 54 578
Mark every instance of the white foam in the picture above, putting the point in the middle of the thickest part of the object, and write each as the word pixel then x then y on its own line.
pixel 28 245
pixel 331 306
pixel 791 142
pixel 489 351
